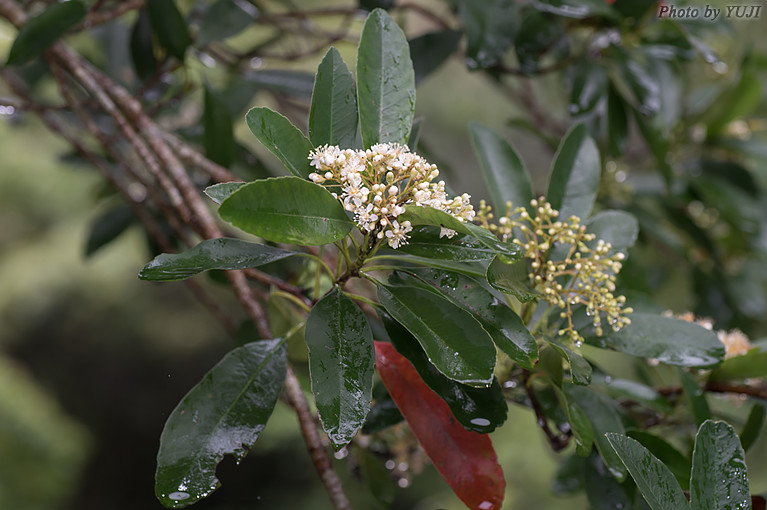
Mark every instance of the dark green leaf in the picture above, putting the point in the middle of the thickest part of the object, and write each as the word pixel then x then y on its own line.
pixel 719 476
pixel 490 26
pixel 656 483
pixel 550 363
pixel 478 269
pixel 221 253
pixel 298 84
pixel 287 210
pixel 677 463
pixel 379 479
pixel 108 227
pixel 454 341
pixel 341 363
pixel 169 26
pixel 604 418
pixel 430 50
pixel 569 477
pixel 224 19
pixel 575 175
pixel 537 35
pixel 223 414
pixel 219 131
pixel 512 279
pixel 384 412
pixel 505 175
pixel 44 29
pixel 657 143
pixel 617 124
pixel 142 46
pixel 753 426
pixel 221 191
pixel 288 321
pixel 603 492
pixel 369 5
pixel 425 242
pixel 618 228
pixel 477 409
pixel 735 102
pixel 634 81
pixel 333 114
pixel 282 138
pixel 583 432
pixel 385 82
pixel 669 340
pixel 638 392
pixel 696 396
pixel 580 369
pixel 589 86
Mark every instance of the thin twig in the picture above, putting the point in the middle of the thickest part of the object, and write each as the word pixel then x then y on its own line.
pixel 557 442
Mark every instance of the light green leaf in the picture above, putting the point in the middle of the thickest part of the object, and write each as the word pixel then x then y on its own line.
pixel 282 138
pixel 287 210
pixel 223 414
pixel 341 364
pixel 333 113
pixel 575 175
pixel 43 30
pixel 221 253
pixel 221 191
pixel 385 82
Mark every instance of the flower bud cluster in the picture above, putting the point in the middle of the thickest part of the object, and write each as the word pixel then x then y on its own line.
pixel 584 273
pixel 377 183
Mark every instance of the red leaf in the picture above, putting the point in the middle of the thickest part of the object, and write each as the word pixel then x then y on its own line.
pixel 466 460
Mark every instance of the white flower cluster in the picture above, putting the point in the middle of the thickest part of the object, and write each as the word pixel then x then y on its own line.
pixel 376 184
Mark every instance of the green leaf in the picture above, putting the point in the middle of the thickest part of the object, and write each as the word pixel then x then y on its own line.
pixel 666 339
pixel 43 30
pixel 287 210
pixel 221 253
pixel 219 132
pixel 602 491
pixel 108 227
pixel 618 228
pixel 617 124
pixel 221 191
pixel 677 463
pixel 512 279
pixel 453 340
pixel 580 369
pixel 385 82
pixel 604 418
pixel 169 26
pixel 505 175
pixel 537 35
pixel 575 175
pixel 503 325
pixel 697 397
pixel 142 46
pixel 479 409
pixel 656 483
pixel 341 364
pixel 550 363
pixel 287 82
pixel 753 426
pixel 282 138
pixel 490 26
pixel 425 242
pixel 568 479
pixel 719 476
pixel 223 414
pixel 431 50
pixel 589 85
pixel 638 392
pixel 583 432
pixel 333 113
pixel 224 19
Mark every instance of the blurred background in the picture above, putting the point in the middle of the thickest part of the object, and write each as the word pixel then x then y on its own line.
pixel 92 360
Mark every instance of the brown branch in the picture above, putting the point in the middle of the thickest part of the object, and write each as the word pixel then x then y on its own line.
pixel 96 17
pixel 557 442
pixel 190 155
pixel 714 387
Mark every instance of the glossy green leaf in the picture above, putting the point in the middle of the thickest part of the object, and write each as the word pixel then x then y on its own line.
pixel 478 268
pixel 503 325
pixel 223 414
pixel 666 339
pixel 219 131
pixel 142 46
pixel 656 483
pixel 43 30
pixel 505 175
pixel 575 175
pixel 224 19
pixel 580 369
pixel 333 113
pixel 108 227
pixel 282 138
pixel 677 463
pixel 453 340
pixel 696 396
pixel 583 431
pixel 719 476
pixel 431 50
pixel 169 26
pixel 618 228
pixel 753 426
pixel 221 191
pixel 341 363
pixel 286 82
pixel 604 418
pixel 489 26
pixel 512 279
pixel 478 409
pixel 637 392
pixel 221 253
pixel 287 210
pixel 385 82
pixel 426 242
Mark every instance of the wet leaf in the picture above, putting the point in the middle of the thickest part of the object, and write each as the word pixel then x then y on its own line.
pixel 224 19
pixel 219 132
pixel 575 175
pixel 341 364
pixel 431 50
pixel 425 242
pixel 221 191
pixel 453 340
pixel 580 369
pixel 512 279
pixel 221 253
pixel 41 31
pixel 169 26
pixel 677 463
pixel 333 113
pixel 223 414
pixel 465 459
pixel 282 138
pixel 287 210
pixel 656 483
pixel 385 82
pixel 719 475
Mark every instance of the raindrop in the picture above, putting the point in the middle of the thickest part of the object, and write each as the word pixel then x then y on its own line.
pixel 403 482
pixel 178 496
pixel 390 464
pixel 480 422
pixel 402 466
pixel 486 505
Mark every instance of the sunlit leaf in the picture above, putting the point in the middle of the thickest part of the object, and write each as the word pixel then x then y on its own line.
pixel 425 241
